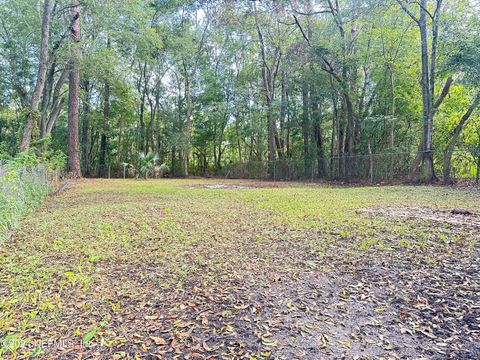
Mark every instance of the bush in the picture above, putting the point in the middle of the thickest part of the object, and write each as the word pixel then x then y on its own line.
pixel 53 160
pixel 164 170
pixel 24 182
pixel 144 164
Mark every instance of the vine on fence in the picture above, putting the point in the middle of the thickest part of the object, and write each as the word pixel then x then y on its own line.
pixel 24 182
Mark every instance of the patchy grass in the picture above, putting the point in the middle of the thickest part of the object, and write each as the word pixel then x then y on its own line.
pixel 192 269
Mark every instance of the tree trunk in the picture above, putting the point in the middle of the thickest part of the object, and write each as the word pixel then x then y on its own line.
pixel 393 109
pixel 427 173
pixel 316 114
pixel 306 129
pixel 271 132
pixel 85 125
pixel 269 74
pixel 370 162
pixel 188 126
pixel 447 159
pixel 56 103
pixel 423 167
pixel 283 113
pixel 348 143
pixel 73 94
pixel 143 90
pixel 33 114
pixel 102 162
pixel 237 133
pixel 46 97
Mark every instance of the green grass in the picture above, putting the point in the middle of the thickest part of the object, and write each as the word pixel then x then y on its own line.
pixel 87 258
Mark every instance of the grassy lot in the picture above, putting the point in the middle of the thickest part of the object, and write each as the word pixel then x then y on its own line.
pixel 229 269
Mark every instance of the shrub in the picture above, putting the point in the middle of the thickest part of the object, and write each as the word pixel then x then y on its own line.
pixel 144 164
pixel 24 182
pixel 164 170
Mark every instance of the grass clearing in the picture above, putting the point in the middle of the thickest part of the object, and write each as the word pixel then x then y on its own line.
pixel 165 268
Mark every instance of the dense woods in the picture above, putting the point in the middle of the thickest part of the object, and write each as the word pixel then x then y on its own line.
pixel 336 87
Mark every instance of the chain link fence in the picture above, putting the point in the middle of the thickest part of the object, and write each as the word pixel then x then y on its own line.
pixel 372 168
pixel 21 189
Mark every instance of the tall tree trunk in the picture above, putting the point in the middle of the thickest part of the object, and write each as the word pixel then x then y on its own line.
pixel 334 146
pixel 271 130
pixel 237 133
pixel 423 168
pixel 447 159
pixel 306 128
pixel 47 93
pixel 316 114
pixel 143 90
pixel 52 103
pixel 427 172
pixel 393 109
pixel 269 74
pixel 73 94
pixel 283 113
pixel 33 113
pixel 349 160
pixel 85 126
pixel 102 161
pixel 188 126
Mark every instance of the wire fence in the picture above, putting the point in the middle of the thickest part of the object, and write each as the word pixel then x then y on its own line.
pixel 21 189
pixel 373 168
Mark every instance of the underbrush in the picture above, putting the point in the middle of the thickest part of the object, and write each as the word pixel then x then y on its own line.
pixel 24 182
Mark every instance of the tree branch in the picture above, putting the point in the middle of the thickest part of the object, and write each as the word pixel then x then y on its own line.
pixel 408 12
pixel 301 30
pixel 446 89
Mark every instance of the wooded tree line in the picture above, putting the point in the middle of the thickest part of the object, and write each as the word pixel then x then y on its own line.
pixel 201 84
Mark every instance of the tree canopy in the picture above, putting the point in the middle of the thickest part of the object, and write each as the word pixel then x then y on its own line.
pixel 200 85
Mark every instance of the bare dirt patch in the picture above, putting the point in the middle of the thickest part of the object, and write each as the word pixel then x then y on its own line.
pixel 454 216
pixel 244 185
pixel 222 186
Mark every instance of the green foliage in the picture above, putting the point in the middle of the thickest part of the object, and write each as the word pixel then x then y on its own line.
pixel 165 60
pixel 53 160
pixel 24 182
pixel 164 170
pixel 144 164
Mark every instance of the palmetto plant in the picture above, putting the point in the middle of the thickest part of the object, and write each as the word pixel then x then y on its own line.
pixel 145 164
